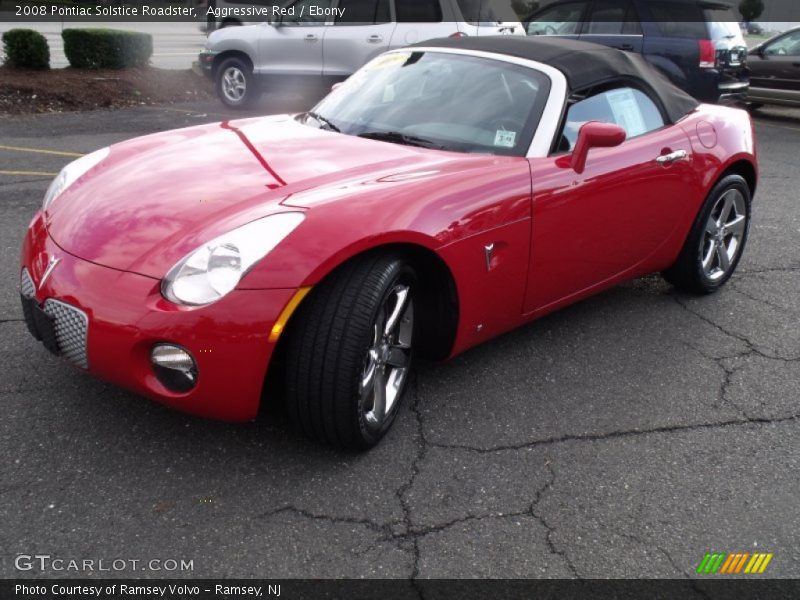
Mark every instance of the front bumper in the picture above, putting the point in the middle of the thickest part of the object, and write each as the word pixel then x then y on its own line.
pixel 206 61
pixel 125 316
pixel 733 91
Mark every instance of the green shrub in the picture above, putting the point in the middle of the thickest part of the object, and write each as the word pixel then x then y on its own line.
pixel 106 48
pixel 26 48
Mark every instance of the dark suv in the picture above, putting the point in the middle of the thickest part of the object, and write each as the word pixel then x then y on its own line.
pixel 697 44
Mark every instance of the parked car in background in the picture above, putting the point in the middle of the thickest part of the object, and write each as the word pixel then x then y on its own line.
pixel 697 44
pixel 307 48
pixel 752 28
pixel 775 71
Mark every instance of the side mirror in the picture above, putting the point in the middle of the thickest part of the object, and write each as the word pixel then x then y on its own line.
pixel 595 135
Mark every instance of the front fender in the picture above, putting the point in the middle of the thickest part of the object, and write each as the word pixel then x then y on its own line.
pixel 428 212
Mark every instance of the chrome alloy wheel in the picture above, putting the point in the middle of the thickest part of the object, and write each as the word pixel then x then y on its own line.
pixel 234 84
pixel 723 235
pixel 388 359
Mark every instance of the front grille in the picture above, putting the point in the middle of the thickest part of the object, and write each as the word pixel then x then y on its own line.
pixel 26 286
pixel 71 325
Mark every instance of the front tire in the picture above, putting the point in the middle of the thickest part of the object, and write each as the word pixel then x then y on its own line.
pixel 717 239
pixel 350 352
pixel 236 84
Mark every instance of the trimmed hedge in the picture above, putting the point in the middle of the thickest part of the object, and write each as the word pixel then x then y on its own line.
pixel 107 48
pixel 26 48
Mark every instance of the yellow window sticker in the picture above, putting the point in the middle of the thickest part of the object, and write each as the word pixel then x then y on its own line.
pixel 388 60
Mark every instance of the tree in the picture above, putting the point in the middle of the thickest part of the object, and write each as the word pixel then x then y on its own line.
pixel 521 7
pixel 751 9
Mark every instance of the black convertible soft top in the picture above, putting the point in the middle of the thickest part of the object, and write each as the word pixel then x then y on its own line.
pixel 584 65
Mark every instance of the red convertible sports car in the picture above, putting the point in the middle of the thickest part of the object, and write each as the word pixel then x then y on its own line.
pixel 444 194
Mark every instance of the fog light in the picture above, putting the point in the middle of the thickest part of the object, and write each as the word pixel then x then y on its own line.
pixel 174 367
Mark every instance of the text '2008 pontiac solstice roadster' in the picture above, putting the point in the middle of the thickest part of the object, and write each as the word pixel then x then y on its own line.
pixel 444 194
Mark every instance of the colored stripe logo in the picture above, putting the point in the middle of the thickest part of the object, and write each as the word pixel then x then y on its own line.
pixel 734 563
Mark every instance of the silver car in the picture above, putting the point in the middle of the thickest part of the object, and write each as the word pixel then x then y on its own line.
pixel 320 42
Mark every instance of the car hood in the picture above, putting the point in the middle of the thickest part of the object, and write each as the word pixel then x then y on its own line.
pixel 158 197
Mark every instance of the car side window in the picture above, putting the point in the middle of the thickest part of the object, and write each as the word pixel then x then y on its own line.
pixel 564 19
pixel 359 12
pixel 303 13
pixel 418 11
pixel 788 45
pixel 614 17
pixel 631 109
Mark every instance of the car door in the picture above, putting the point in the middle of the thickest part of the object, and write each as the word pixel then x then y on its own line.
pixel 361 31
pixel 419 20
pixel 614 23
pixel 590 228
pixel 292 45
pixel 776 65
pixel 563 19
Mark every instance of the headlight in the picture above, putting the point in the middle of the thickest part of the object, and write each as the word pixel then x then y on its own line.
pixel 215 268
pixel 70 174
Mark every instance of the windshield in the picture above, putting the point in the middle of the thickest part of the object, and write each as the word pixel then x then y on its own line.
pixel 438 100
pixel 722 24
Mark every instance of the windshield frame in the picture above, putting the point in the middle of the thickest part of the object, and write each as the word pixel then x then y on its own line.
pixel 549 119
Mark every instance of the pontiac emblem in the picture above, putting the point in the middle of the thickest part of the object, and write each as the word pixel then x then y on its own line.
pixel 51 264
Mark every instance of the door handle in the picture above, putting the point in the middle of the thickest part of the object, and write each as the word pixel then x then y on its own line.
pixel 374 39
pixel 311 37
pixel 625 47
pixel 668 159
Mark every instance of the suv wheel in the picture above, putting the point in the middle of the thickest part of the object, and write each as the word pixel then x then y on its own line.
pixel 236 84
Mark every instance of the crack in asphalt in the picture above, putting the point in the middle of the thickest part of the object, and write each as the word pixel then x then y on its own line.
pixel 290 508
pixel 414 534
pixel 401 492
pixel 746 419
pixel 682 572
pixel 752 346
pixel 597 437
pixel 548 538
pixel 719 361
pixel 759 270
pixel 635 538
pixel 734 285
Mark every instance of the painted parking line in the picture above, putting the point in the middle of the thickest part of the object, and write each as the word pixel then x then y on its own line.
pixel 41 151
pixel 27 174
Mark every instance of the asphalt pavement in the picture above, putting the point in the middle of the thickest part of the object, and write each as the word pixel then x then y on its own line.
pixel 625 436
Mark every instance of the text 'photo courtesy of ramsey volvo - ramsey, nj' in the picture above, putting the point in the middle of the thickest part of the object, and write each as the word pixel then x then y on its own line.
pixel 446 193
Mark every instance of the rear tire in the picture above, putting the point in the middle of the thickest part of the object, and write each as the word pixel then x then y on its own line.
pixel 350 352
pixel 236 84
pixel 716 241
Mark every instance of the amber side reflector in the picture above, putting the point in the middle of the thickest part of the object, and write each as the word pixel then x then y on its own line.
pixel 286 313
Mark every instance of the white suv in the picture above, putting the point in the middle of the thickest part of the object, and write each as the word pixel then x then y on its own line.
pixel 302 47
